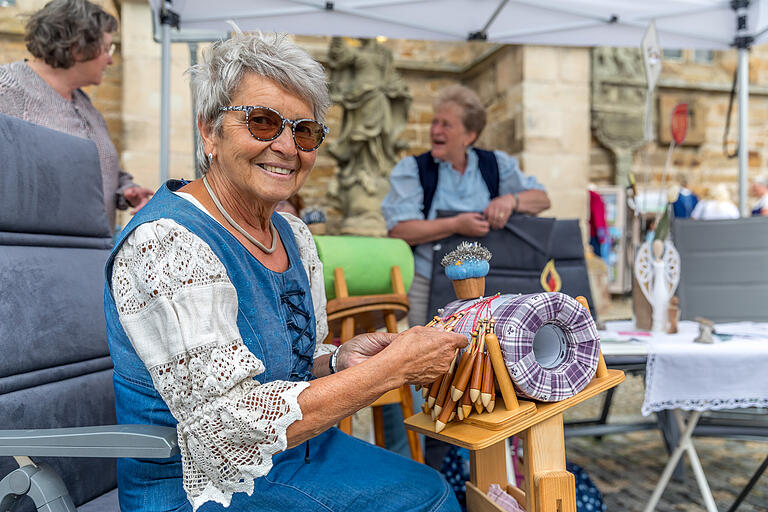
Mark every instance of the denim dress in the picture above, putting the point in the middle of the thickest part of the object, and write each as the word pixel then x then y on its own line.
pixel 331 471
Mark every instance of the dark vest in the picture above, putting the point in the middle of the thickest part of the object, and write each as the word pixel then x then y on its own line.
pixel 486 160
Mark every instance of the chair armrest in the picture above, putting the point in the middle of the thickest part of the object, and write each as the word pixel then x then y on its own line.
pixel 149 441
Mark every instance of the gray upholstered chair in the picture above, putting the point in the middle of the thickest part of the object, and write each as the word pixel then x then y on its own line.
pixel 55 369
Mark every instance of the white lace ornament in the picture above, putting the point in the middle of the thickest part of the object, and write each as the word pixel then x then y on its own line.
pixel 164 280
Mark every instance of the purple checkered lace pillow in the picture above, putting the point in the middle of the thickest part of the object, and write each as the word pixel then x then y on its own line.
pixel 518 319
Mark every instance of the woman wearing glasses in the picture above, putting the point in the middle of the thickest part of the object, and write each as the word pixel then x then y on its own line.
pixel 71 42
pixel 215 313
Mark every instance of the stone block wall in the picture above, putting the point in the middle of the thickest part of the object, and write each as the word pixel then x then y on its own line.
pixel 701 165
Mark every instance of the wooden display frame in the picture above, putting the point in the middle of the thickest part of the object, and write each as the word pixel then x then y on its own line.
pixel 549 487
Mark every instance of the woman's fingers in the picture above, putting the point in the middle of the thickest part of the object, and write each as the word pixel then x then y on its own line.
pixel 426 353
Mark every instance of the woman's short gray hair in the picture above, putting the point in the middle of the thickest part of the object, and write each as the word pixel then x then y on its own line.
pixel 474 111
pixel 62 26
pixel 276 57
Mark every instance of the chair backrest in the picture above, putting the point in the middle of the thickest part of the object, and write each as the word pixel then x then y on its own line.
pixel 366 262
pixel 723 268
pixel 366 281
pixel 55 369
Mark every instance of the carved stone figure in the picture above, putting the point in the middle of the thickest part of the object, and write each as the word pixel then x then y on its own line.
pixel 618 100
pixel 375 100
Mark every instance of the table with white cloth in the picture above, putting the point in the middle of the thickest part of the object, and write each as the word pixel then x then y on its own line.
pixel 682 375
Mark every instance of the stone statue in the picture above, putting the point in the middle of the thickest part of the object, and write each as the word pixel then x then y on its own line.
pixel 375 103
pixel 618 101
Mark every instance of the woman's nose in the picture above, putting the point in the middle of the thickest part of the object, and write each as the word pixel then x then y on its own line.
pixel 284 142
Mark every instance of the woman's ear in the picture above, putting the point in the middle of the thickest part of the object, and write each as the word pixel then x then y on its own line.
pixel 471 138
pixel 206 133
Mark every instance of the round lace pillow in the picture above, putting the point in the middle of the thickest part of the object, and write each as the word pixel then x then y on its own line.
pixel 548 340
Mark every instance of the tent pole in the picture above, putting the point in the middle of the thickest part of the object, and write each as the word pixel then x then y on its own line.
pixel 168 19
pixel 742 42
pixel 743 85
pixel 193 62
pixel 165 103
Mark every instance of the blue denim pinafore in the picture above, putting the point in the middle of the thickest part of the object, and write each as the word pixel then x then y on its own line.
pixel 275 318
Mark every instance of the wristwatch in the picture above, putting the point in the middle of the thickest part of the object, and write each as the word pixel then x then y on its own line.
pixel 332 360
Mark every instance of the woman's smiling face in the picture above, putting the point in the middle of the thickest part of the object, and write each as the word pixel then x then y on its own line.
pixel 265 171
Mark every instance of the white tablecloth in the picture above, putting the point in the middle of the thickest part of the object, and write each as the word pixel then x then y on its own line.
pixel 685 375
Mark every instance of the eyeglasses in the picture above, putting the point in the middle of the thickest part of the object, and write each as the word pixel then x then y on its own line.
pixel 267 124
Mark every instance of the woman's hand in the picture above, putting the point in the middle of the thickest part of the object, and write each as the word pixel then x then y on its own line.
pixel 419 355
pixel 361 348
pixel 137 197
pixel 422 354
pixel 471 224
pixel 499 209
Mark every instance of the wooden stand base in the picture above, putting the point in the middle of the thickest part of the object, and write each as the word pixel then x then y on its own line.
pixel 549 487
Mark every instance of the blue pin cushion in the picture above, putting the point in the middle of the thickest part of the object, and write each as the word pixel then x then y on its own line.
pixel 467 269
pixel 469 260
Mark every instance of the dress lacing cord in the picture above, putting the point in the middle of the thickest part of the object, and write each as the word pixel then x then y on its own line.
pixel 304 353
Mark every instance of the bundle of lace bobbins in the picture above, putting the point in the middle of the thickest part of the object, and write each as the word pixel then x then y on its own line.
pixel 469 383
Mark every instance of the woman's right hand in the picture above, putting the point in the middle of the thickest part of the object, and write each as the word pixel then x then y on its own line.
pixel 471 224
pixel 422 354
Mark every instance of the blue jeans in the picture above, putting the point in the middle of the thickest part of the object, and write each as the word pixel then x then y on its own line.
pixel 343 473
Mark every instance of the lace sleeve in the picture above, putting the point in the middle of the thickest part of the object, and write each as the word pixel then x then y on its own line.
pixel 179 310
pixel 314 269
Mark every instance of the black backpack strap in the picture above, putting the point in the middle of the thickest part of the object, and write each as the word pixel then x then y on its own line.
pixel 486 160
pixel 428 179
pixel 489 168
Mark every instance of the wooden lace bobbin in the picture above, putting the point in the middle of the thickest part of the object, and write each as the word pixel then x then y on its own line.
pixel 476 380
pixel 437 384
pixel 445 383
pixel 500 370
pixel 488 384
pixel 460 380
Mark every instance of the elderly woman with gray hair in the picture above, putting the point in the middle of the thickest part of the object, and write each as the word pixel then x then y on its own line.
pixel 71 42
pixel 215 312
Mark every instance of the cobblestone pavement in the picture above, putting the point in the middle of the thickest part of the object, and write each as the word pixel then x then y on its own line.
pixel 626 467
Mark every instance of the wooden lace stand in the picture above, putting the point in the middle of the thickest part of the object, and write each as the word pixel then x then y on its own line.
pixel 548 486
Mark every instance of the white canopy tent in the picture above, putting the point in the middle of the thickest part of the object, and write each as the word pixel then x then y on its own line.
pixel 698 24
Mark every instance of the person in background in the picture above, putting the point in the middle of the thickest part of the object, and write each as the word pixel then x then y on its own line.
pixel 716 205
pixel 71 42
pixel 488 186
pixel 686 200
pixel 760 191
pixel 293 205
pixel 215 308
pixel 599 237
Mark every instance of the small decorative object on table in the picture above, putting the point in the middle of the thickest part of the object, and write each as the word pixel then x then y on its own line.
pixel 657 269
pixel 673 315
pixel 467 266
pixel 706 330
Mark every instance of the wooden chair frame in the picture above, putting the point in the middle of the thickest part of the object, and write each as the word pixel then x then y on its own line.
pixel 367 313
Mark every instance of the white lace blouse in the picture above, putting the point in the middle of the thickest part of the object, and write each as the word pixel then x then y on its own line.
pixel 179 310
